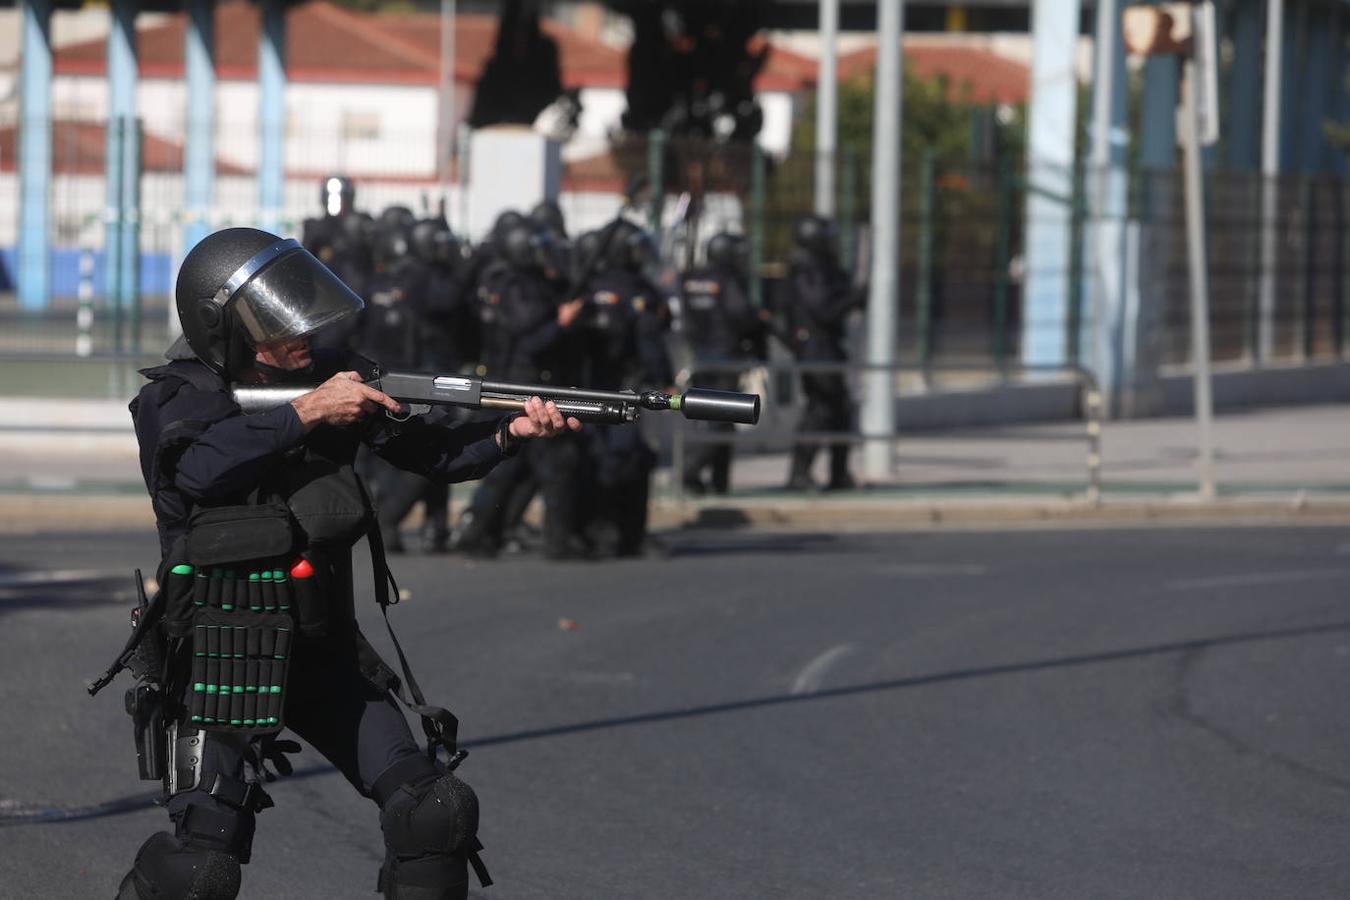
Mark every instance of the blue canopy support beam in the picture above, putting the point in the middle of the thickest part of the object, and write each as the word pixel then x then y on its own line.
pixel 35 154
pixel 271 113
pixel 199 150
pixel 1106 195
pixel 1051 124
pixel 120 161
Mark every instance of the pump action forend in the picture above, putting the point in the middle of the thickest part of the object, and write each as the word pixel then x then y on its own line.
pixel 420 392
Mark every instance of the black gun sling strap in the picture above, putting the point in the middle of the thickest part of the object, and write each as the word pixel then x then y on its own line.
pixel 439 724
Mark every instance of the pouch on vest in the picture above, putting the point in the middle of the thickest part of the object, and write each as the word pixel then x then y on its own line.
pixel 329 506
pixel 228 534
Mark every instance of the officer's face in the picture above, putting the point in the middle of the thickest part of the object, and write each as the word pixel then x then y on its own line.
pixel 288 354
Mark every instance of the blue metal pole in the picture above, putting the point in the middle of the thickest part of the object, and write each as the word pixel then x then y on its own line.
pixel 199 149
pixel 1243 128
pixel 121 134
pixel 35 153
pixel 271 113
pixel 1051 122
pixel 1106 199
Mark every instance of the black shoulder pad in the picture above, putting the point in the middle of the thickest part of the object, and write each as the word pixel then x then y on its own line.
pixel 192 371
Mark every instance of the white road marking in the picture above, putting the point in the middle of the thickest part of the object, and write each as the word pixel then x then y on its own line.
pixel 1255 578
pixel 808 681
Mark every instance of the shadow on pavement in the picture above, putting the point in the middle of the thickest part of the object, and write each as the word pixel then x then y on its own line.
pixel 16 813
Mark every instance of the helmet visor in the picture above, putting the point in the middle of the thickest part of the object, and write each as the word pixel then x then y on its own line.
pixel 288 294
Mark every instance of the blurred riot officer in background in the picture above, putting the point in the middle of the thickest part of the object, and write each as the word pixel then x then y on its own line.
pixel 624 332
pixel 393 332
pixel 342 238
pixel 528 337
pixel 816 300
pixel 448 316
pixel 721 326
pixel 548 214
pixel 473 283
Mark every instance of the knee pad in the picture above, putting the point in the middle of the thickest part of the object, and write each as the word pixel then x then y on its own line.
pixel 167 867
pixel 431 816
pixel 430 829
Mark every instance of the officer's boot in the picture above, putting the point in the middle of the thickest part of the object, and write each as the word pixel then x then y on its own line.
pixel 721 469
pixel 799 476
pixel 840 477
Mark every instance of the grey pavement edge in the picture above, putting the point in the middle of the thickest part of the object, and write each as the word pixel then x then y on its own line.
pixel 72 465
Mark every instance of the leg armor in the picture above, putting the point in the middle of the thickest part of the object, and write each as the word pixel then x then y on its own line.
pixel 430 825
pixel 213 815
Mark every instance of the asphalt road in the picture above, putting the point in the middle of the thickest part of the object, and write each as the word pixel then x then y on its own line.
pixel 1134 713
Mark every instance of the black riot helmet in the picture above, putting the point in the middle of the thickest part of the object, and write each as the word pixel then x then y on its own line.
pixel 729 251
pixel 241 287
pixel 337 193
pixel 397 216
pixel 527 247
pixel 586 249
pixel 630 247
pixel 359 228
pixel 816 235
pixel 434 243
pixel 517 243
pixel 505 221
pixel 393 244
pixel 547 214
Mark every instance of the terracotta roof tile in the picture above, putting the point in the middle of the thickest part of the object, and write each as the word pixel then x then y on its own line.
pixel 325 42
pixel 990 78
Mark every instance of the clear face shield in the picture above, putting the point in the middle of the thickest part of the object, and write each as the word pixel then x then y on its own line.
pixel 283 292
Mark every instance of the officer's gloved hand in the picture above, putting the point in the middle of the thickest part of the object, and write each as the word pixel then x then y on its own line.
pixel 273 750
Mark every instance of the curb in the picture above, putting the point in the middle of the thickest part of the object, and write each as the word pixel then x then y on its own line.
pixel 34 512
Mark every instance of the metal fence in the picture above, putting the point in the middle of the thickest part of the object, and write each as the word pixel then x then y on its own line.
pixel 961 255
pixel 777 433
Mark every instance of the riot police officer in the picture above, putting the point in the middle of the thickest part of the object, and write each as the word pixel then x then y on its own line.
pixel 223 484
pixel 448 314
pixel 394 331
pixel 528 337
pixel 721 326
pixel 341 237
pixel 817 299
pixel 624 331
pixel 547 214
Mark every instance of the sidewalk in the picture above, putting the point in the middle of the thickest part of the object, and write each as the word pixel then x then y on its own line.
pixel 73 464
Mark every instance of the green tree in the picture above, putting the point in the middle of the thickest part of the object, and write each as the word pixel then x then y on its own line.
pixel 931 121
